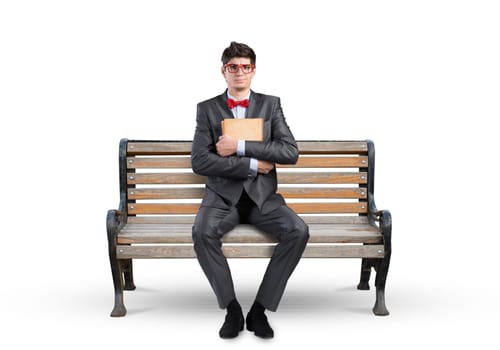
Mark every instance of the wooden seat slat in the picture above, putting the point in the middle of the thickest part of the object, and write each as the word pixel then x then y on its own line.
pixel 181 233
pixel 308 219
pixel 192 208
pixel 248 251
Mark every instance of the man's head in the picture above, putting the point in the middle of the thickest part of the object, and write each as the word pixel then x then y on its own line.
pixel 238 50
pixel 238 67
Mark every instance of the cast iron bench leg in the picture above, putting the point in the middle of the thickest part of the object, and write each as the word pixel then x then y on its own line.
pixel 382 267
pixel 366 269
pixel 128 274
pixel 119 308
pixel 116 266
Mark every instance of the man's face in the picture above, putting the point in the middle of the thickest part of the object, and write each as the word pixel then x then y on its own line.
pixel 239 80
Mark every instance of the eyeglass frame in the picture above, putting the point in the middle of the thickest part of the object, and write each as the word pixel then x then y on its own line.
pixel 238 67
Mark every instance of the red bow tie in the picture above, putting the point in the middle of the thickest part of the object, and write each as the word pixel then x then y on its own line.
pixel 232 103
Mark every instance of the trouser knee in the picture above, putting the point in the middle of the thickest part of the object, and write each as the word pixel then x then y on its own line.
pixel 205 236
pixel 299 232
pixel 302 231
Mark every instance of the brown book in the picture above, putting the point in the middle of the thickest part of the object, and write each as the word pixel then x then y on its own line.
pixel 248 129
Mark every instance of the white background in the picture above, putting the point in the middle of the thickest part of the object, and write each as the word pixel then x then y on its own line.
pixel 419 78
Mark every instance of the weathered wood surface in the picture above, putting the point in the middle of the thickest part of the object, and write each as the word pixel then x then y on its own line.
pixel 159 148
pixel 186 178
pixel 305 147
pixel 249 251
pixel 300 208
pixel 181 233
pixel 287 192
pixel 189 219
pixel 173 162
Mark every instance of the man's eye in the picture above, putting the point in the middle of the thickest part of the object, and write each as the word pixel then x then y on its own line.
pixel 233 67
pixel 247 67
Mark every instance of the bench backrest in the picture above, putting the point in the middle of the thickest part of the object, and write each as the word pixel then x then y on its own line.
pixel 331 177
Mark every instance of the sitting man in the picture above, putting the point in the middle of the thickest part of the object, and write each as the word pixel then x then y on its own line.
pixel 241 188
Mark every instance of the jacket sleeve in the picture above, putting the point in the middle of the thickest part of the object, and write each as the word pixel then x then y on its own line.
pixel 282 148
pixel 204 158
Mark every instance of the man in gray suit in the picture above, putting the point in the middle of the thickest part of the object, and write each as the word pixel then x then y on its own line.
pixel 241 188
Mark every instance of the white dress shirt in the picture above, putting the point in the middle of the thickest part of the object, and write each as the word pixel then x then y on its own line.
pixel 239 113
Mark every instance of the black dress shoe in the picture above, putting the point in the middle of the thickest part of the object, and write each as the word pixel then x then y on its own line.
pixel 232 326
pixel 257 323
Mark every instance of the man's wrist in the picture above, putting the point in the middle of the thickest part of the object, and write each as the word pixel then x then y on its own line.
pixel 240 149
pixel 254 166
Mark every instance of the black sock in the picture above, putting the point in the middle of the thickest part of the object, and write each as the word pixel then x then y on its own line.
pixel 257 308
pixel 234 307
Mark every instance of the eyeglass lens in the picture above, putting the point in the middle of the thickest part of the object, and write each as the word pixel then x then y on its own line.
pixel 233 68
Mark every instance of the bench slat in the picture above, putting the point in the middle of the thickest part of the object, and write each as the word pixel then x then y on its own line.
pixel 181 233
pixel 189 219
pixel 333 147
pixel 322 178
pixel 305 147
pixel 287 192
pixel 328 162
pixel 303 162
pixel 159 162
pixel 185 178
pixel 159 148
pixel 322 192
pixel 283 178
pixel 192 208
pixel 255 251
pixel 166 193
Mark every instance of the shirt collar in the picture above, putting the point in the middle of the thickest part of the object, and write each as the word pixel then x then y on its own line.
pixel 231 97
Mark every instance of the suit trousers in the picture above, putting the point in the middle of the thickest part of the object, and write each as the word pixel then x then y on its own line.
pixel 211 224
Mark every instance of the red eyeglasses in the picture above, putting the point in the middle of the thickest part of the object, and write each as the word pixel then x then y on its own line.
pixel 234 68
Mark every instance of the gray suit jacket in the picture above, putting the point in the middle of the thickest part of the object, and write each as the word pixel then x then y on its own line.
pixel 227 176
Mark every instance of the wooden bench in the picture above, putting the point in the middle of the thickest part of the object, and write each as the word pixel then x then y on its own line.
pixel 331 187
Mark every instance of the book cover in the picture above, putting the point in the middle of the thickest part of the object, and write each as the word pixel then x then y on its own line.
pixel 248 129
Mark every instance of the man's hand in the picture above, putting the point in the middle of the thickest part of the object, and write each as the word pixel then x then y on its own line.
pixel 264 167
pixel 226 146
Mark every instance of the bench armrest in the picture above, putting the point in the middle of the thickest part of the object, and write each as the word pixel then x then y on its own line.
pixel 380 213
pixel 384 219
pixel 114 220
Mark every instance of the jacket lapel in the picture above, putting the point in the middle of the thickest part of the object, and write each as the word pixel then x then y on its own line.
pixel 224 110
pixel 254 106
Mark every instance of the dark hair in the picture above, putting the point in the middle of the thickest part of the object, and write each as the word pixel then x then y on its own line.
pixel 238 50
